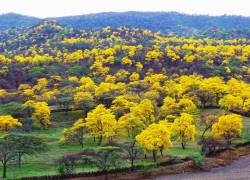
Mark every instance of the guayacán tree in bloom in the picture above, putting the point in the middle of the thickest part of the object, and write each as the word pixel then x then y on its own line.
pixel 170 107
pixel 154 138
pixel 101 123
pixel 216 86
pixel 230 102
pixel 120 106
pixel 84 100
pixel 208 121
pixel 41 114
pixel 184 129
pixel 7 122
pixel 131 125
pixel 228 127
pixel 145 110
pixel 75 133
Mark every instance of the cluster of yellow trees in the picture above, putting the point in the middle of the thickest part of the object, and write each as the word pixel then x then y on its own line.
pixel 147 119
pixel 237 98
pixel 131 88
pixel 35 99
pixel 138 83
pixel 139 125
pixel 159 97
pixel 102 59
pixel 129 49
pixel 181 93
pixel 40 116
pixel 171 95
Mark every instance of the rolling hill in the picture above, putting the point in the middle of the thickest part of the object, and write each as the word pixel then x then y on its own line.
pixel 164 22
pixel 12 20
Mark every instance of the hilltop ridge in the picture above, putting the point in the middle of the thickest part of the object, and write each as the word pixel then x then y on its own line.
pixel 165 22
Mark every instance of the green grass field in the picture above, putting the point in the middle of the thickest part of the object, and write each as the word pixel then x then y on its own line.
pixel 44 163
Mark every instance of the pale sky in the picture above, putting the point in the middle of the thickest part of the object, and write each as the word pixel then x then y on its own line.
pixel 56 8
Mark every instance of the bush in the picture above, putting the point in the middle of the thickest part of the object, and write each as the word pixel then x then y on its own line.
pixel 66 164
pixel 198 161
pixel 210 145
pixel 61 169
pixel 147 170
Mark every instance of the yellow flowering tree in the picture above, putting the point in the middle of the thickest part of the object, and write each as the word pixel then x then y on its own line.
pixel 184 129
pixel 120 106
pixel 228 127
pixel 154 138
pixel 145 111
pixel 41 114
pixel 208 121
pixel 131 124
pixel 7 122
pixel 75 133
pixel 84 100
pixel 101 123
pixel 230 102
pixel 168 107
pixel 186 105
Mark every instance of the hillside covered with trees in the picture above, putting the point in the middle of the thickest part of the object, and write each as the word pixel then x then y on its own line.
pixel 117 98
pixel 165 22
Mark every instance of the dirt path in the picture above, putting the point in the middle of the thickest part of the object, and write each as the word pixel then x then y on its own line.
pixel 239 169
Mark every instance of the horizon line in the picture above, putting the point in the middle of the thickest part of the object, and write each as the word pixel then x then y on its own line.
pixel 86 14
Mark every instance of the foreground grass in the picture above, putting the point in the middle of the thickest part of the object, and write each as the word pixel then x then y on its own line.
pixel 44 163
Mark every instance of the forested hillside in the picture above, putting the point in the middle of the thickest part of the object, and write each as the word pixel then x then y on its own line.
pixel 12 20
pixel 117 99
pixel 164 22
pixel 120 49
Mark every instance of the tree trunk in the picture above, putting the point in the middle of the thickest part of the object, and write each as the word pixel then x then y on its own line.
pixel 161 150
pixel 19 159
pixel 229 142
pixel 183 145
pixel 106 176
pixel 100 140
pixel 4 169
pixel 203 134
pixel 154 156
pixel 203 104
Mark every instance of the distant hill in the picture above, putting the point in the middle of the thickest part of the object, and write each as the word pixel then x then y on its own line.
pixel 164 22
pixel 12 20
pixel 156 21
